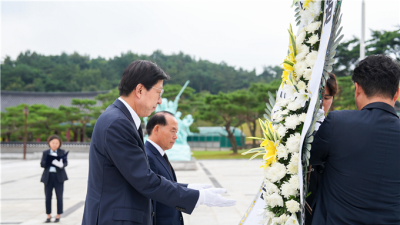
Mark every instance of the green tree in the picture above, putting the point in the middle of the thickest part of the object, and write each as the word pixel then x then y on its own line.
pixel 344 99
pixel 225 109
pixel 85 115
pixel 72 116
pixel 384 42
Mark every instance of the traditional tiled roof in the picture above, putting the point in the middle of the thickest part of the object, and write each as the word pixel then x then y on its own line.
pixel 51 99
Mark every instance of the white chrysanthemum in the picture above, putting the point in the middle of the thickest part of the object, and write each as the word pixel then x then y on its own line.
pixel 303 48
pixel 301 86
pixel 294 182
pixel 276 126
pixel 289 91
pixel 281 131
pixel 293 168
pixel 300 38
pixel 274 200
pixel 270 187
pixel 302 97
pixel 283 102
pixel 313 26
pixel 277 116
pixel 275 172
pixel 315 8
pixel 307 74
pixel 299 68
pixel 293 142
pixel 294 158
pixel 302 51
pixel 284 218
pixel 313 39
pixel 311 58
pixel 306 16
pixel 281 151
pixel 287 190
pixel 302 117
pixel 292 206
pixel 294 106
pixel 292 121
pixel 300 57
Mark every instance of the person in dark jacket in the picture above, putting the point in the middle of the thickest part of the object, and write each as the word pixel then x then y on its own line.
pixel 361 151
pixel 315 171
pixel 54 176
pixel 162 129
pixel 121 184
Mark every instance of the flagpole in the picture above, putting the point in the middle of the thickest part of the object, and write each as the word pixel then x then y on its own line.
pixel 362 40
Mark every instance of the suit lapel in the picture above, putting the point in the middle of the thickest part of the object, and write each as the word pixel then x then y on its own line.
pixel 160 159
pixel 117 103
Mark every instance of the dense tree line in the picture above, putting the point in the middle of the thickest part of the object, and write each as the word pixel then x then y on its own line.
pixel 66 73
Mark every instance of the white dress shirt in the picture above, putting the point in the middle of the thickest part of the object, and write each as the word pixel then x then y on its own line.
pixel 135 117
pixel 162 152
pixel 52 168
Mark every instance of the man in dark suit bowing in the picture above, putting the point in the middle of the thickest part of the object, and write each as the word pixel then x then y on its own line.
pixel 162 129
pixel 121 183
pixel 361 151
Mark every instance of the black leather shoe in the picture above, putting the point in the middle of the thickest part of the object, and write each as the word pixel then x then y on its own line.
pixel 57 220
pixel 47 220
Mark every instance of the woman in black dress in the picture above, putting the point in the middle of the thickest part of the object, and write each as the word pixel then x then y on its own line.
pixel 54 176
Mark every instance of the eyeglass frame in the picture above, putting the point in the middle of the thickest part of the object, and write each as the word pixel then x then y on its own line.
pixel 162 91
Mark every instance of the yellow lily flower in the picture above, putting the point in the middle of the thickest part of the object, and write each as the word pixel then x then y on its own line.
pixel 270 155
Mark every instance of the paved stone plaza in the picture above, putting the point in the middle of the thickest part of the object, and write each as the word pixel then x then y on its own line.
pixel 23 200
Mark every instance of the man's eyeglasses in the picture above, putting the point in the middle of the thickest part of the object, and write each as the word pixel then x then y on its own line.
pixel 162 91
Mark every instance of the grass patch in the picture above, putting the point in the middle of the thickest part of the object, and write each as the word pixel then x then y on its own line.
pixel 221 155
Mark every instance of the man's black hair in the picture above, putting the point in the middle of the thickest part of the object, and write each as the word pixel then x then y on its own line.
pixel 378 75
pixel 157 119
pixel 140 72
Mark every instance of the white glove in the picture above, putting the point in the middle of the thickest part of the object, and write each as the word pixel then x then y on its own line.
pixel 57 163
pixel 321 118
pixel 210 197
pixel 199 186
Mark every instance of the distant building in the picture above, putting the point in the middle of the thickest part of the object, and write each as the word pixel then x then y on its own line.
pixel 50 99
pixel 215 138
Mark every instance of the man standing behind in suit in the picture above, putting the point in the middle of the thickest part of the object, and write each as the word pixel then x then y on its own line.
pixel 121 183
pixel 361 151
pixel 162 129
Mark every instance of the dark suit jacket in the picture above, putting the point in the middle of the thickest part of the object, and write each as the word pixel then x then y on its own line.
pixel 361 179
pixel 314 184
pixel 121 182
pixel 61 174
pixel 164 215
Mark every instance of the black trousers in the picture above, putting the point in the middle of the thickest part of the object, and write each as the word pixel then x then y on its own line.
pixel 48 191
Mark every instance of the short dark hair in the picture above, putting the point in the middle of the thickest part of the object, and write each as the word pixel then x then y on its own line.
pixel 52 137
pixel 332 85
pixel 378 75
pixel 157 119
pixel 140 72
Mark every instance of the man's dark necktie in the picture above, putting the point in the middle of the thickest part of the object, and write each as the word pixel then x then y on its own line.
pixel 169 164
pixel 140 132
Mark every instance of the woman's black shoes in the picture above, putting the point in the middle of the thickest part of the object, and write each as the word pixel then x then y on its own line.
pixel 57 220
pixel 47 220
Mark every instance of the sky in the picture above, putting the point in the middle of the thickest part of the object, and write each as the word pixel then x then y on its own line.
pixel 244 34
